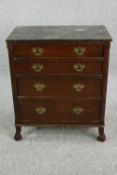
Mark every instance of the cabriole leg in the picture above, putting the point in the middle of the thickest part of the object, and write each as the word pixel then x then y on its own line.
pixel 18 135
pixel 101 136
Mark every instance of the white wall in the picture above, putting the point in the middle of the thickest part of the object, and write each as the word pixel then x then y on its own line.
pixel 55 12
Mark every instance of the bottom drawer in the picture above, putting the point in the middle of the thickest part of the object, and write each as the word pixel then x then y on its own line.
pixel 50 111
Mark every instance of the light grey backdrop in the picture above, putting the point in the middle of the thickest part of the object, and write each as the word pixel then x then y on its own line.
pixel 56 12
pixel 55 151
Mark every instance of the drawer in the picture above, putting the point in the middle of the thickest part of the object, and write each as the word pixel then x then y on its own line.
pixel 49 67
pixel 59 86
pixel 53 49
pixel 60 110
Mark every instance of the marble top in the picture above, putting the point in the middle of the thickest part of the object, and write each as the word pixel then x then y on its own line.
pixel 81 33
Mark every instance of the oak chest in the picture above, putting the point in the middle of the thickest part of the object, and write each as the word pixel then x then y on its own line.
pixel 59 75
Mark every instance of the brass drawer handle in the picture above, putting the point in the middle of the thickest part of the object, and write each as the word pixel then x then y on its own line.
pixel 37 67
pixel 78 87
pixel 78 110
pixel 40 110
pixel 79 50
pixel 37 51
pixel 79 67
pixel 39 87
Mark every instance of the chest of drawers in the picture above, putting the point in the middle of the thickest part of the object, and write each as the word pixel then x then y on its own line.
pixel 59 75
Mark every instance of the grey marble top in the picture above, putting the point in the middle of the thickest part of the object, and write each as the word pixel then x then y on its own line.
pixel 81 33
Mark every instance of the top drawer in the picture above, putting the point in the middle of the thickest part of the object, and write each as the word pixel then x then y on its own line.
pixel 57 49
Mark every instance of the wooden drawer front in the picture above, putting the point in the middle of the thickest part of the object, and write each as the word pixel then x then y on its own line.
pixel 58 67
pixel 59 86
pixel 38 50
pixel 62 110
